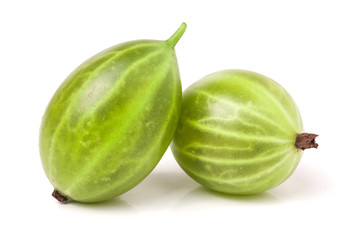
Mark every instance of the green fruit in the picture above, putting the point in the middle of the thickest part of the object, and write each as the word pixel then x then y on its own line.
pixel 110 122
pixel 237 133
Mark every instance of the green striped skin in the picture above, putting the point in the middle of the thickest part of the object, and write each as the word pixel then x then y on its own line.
pixel 237 132
pixel 110 122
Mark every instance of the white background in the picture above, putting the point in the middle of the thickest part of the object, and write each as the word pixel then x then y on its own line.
pixel 312 48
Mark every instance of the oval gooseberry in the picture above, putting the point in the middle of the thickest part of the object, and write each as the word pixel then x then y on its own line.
pixel 239 132
pixel 110 122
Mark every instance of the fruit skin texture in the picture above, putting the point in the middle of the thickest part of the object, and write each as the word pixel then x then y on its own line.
pixel 110 122
pixel 237 132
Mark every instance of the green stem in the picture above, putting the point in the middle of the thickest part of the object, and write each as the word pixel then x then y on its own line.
pixel 172 41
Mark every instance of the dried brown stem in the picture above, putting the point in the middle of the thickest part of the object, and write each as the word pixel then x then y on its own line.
pixel 306 140
pixel 59 197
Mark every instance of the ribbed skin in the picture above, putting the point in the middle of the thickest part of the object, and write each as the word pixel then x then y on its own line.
pixel 110 122
pixel 237 133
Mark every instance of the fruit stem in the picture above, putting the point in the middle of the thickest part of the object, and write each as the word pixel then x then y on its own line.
pixel 306 140
pixel 58 196
pixel 172 41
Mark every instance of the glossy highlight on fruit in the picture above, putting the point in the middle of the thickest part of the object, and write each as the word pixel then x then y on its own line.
pixel 110 122
pixel 237 133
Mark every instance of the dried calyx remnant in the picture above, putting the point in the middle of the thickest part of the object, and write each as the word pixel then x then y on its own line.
pixel 59 197
pixel 306 140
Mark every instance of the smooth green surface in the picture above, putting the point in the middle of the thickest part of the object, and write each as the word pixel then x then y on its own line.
pixel 110 122
pixel 236 133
